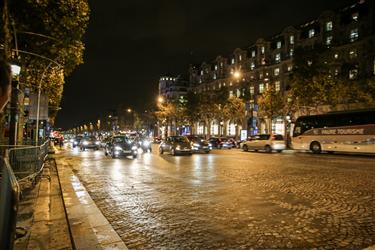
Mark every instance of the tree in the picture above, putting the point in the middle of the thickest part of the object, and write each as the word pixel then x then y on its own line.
pixel 271 104
pixel 234 109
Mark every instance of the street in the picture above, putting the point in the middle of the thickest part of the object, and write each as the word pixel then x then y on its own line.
pixel 230 199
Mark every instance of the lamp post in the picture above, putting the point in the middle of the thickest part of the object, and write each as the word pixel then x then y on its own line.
pixel 14 105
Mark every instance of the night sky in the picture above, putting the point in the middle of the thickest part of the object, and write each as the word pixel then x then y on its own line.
pixel 130 44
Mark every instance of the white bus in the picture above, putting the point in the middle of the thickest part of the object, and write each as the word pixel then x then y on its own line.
pixel 350 131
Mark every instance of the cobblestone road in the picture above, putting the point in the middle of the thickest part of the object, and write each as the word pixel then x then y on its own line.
pixel 234 200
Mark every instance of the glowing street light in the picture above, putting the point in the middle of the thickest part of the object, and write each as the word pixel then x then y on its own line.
pixel 237 74
pixel 160 99
pixel 129 110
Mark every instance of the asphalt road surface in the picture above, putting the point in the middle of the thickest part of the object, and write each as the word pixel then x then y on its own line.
pixel 230 199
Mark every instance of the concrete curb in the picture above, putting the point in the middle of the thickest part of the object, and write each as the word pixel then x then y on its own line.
pixel 90 229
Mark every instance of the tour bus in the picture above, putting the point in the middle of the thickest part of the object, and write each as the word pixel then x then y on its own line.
pixel 350 131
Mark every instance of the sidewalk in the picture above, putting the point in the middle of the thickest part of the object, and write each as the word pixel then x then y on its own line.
pixel 58 213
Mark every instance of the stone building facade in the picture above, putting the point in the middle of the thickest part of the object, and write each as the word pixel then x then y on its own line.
pixel 347 32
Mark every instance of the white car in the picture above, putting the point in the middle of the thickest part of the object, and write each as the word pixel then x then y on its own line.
pixel 266 142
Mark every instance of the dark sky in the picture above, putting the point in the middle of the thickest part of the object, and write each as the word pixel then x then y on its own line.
pixel 129 44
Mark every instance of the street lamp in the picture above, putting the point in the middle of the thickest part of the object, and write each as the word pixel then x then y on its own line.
pixel 15 69
pixel 129 110
pixel 237 74
pixel 160 99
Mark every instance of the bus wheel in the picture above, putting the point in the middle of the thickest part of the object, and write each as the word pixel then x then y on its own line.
pixel 315 147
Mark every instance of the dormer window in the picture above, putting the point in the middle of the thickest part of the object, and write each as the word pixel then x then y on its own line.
pixel 291 39
pixel 329 26
pixel 253 53
pixel 311 33
pixel 278 45
pixel 355 16
pixel 262 50
pixel 354 35
pixel 232 60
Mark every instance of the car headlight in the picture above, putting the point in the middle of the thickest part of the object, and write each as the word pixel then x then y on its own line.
pixel 210 144
pixel 85 143
pixel 118 148
pixel 196 145
pixel 134 148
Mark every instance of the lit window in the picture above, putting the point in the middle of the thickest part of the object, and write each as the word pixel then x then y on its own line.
pixel 277 57
pixel 311 33
pixel 263 61
pixel 252 89
pixel 214 75
pixel 253 53
pixel 329 40
pixel 238 93
pixel 232 60
pixel 252 65
pixel 240 57
pixel 278 45
pixel 355 16
pixel 277 85
pixel 290 67
pixel 224 84
pixel 353 73
pixel 309 62
pixel 230 93
pixel 291 52
pixel 260 75
pixel 219 85
pixel 352 54
pixel 201 72
pixel 230 83
pixel 336 56
pixel 261 88
pixel 336 72
pixel 215 67
pixel 329 26
pixel 262 49
pixel 291 39
pixel 276 71
pixel 354 34
pixel 221 64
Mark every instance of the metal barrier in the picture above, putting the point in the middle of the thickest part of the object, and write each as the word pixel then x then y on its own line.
pixel 27 162
pixel 9 199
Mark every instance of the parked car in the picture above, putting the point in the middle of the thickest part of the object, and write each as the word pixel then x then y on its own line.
pixel 215 142
pixel 121 145
pixel 175 145
pixel 199 144
pixel 266 142
pixel 89 142
pixel 228 143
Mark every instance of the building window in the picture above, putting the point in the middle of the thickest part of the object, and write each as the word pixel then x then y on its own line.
pixel 329 26
pixel 224 84
pixel 311 33
pixel 355 16
pixel 277 85
pixel 219 85
pixel 262 50
pixel 329 40
pixel 214 75
pixel 260 75
pixel 276 71
pixel 278 45
pixel 291 52
pixel 252 91
pixel 277 57
pixel 221 64
pixel 291 39
pixel 232 60
pixel 263 61
pixel 240 58
pixel 230 93
pixel 238 92
pixel 352 54
pixel 201 72
pixel 261 88
pixel 354 34
pixel 336 72
pixel 252 65
pixel 353 73
pixel 253 53
pixel 290 67
pixel 215 67
pixel 336 56
pixel 230 83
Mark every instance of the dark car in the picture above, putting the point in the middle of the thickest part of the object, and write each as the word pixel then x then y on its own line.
pixel 121 145
pixel 175 145
pixel 89 142
pixel 77 140
pixel 215 142
pixel 198 144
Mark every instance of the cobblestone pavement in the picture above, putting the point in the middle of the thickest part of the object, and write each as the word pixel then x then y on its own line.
pixel 234 200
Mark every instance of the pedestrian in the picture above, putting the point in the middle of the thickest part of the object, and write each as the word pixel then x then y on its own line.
pixel 5 84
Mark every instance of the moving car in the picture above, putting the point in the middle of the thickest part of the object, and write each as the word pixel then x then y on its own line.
pixel 199 144
pixel 145 144
pixel 266 142
pixel 77 140
pixel 89 142
pixel 176 145
pixel 121 145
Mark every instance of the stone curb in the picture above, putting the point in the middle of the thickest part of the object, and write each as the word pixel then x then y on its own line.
pixel 90 229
